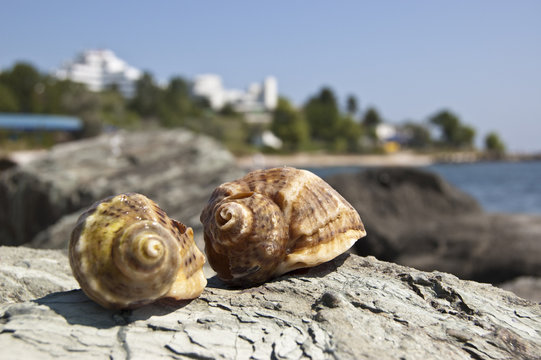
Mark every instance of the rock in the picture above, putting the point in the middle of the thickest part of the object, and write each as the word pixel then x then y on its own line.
pixel 349 308
pixel 56 235
pixel 6 163
pixel 527 287
pixel 415 218
pixel 27 274
pixel 176 168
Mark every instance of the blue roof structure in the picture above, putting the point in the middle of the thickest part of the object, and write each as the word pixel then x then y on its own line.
pixel 39 122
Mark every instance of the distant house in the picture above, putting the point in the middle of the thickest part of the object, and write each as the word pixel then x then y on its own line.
pixel 389 137
pixel 259 97
pixel 100 69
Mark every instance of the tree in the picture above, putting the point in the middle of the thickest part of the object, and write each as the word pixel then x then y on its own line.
pixel 22 80
pixel 449 125
pixel 347 139
pixel 86 105
pixel 289 125
pixel 453 133
pixel 8 102
pixel 228 110
pixel 113 110
pixel 322 115
pixel 370 122
pixel 352 105
pixel 371 118
pixel 493 144
pixel 465 137
pixel 175 104
pixel 418 136
pixel 147 96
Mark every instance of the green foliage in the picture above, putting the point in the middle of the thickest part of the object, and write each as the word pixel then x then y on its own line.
pixel 352 105
pixel 86 105
pixel 494 144
pixel 233 132
pixel 147 96
pixel 370 121
pixel 290 126
pixel 318 125
pixel 347 138
pixel 418 136
pixel 169 107
pixel 323 117
pixel 228 110
pixel 25 83
pixel 371 118
pixel 115 113
pixel 453 133
pixel 175 103
pixel 8 102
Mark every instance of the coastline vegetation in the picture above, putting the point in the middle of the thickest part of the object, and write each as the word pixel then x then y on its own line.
pixel 319 125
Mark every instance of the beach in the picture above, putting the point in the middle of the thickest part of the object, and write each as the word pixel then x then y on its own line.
pixel 258 161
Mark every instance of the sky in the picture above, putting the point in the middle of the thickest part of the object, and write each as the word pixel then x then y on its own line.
pixel 480 59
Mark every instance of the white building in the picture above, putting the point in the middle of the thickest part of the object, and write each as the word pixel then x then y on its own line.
pixel 99 69
pixel 258 97
pixel 385 132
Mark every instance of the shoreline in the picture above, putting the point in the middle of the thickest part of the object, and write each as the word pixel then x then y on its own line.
pixel 401 159
pixel 259 161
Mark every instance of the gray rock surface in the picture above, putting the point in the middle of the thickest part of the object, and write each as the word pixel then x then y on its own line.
pixel 349 308
pixel 415 218
pixel 176 168
pixel 27 274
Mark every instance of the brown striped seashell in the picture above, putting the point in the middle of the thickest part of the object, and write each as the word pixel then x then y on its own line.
pixel 125 252
pixel 274 221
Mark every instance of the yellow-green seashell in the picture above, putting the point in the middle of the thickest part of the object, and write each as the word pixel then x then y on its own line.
pixel 125 252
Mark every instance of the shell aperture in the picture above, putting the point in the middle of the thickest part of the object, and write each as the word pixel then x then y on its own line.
pixel 126 252
pixel 274 221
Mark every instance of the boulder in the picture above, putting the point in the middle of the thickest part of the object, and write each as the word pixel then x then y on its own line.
pixel 415 218
pixel 349 308
pixel 176 168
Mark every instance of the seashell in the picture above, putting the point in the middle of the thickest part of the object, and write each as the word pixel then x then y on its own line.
pixel 274 221
pixel 125 252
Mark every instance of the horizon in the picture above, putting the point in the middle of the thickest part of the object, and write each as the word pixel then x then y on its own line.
pixel 408 60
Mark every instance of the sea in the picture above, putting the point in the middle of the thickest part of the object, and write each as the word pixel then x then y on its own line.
pixel 510 187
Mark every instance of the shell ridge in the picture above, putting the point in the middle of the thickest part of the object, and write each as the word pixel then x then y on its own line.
pixel 126 252
pixel 298 220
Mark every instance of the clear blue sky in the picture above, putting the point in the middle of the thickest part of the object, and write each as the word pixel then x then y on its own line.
pixel 409 59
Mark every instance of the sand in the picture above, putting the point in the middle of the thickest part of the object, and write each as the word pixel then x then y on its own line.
pixel 259 161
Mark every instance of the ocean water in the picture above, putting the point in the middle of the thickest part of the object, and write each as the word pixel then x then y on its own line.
pixel 498 186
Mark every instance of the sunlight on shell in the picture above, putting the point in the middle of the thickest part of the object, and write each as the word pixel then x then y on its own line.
pixel 274 221
pixel 126 252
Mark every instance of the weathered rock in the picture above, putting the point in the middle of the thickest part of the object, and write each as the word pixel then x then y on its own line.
pixel 176 168
pixel 349 308
pixel 416 219
pixel 27 274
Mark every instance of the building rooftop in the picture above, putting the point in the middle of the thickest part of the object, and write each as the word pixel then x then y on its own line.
pixel 38 122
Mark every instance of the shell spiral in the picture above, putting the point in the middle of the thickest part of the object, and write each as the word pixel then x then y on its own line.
pixel 125 252
pixel 274 221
